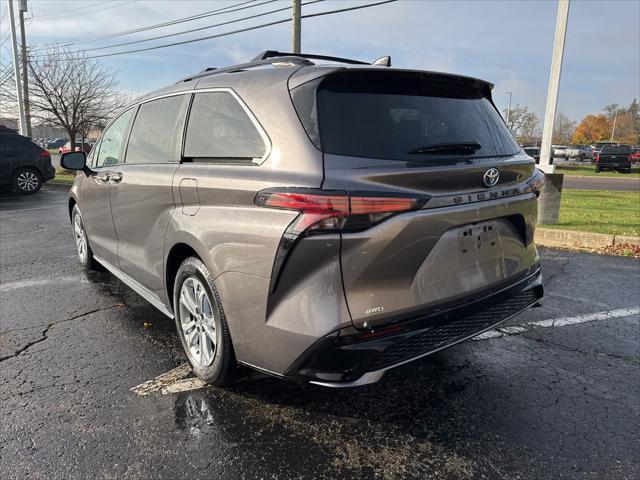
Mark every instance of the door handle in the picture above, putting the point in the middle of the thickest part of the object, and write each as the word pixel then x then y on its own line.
pixel 115 177
pixel 103 177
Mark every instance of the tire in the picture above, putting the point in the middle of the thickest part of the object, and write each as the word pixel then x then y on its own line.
pixel 27 181
pixel 200 320
pixel 83 248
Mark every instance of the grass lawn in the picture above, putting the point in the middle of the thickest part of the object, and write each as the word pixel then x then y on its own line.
pixel 63 176
pixel 590 170
pixel 602 211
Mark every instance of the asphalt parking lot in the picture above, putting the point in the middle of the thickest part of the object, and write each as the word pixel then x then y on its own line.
pixel 558 398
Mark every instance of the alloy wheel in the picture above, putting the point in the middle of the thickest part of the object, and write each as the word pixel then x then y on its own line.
pixel 198 322
pixel 27 181
pixel 81 239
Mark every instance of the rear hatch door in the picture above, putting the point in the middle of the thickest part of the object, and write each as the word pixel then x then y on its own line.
pixel 437 138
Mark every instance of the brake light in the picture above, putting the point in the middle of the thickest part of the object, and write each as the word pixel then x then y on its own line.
pixel 331 211
pixel 45 153
pixel 326 211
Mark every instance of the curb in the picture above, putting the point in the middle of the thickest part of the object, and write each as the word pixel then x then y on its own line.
pixel 547 237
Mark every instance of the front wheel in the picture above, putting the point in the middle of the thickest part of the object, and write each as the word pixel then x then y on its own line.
pixel 27 181
pixel 201 324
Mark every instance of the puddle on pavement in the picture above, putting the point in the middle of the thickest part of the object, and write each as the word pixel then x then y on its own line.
pixel 387 431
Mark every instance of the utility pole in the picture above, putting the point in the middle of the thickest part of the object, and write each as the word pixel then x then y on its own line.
pixel 16 68
pixel 549 201
pixel 613 130
pixel 295 23
pixel 25 70
pixel 509 110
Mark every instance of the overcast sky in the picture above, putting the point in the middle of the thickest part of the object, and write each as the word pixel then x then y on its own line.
pixel 506 42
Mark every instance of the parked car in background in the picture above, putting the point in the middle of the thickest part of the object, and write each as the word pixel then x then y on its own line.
pixel 614 157
pixel 289 217
pixel 559 151
pixel 533 152
pixel 579 152
pixel 79 147
pixel 56 143
pixel 24 166
pixel 598 147
pixel 635 154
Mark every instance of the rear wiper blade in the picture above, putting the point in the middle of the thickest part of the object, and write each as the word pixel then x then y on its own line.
pixel 454 147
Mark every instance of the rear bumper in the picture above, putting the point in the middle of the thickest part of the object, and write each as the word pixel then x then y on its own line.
pixel 48 173
pixel 614 165
pixel 351 357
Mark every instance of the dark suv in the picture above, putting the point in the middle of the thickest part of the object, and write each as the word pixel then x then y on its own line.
pixel 24 166
pixel 323 223
pixel 614 157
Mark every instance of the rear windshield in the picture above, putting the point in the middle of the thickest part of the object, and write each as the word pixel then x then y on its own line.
pixel 616 150
pixel 389 115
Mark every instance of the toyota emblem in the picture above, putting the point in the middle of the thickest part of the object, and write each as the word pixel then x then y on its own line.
pixel 491 177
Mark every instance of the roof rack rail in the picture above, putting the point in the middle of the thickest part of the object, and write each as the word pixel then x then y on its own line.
pixel 272 57
pixel 384 61
pixel 281 61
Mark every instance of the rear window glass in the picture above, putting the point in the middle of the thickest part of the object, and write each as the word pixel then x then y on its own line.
pixel 14 142
pixel 219 128
pixel 387 115
pixel 616 149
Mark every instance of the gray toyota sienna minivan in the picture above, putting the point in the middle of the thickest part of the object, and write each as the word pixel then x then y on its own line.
pixel 319 221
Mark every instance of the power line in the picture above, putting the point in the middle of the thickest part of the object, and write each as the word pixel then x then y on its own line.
pixel 228 9
pixel 233 32
pixel 199 28
pixel 89 11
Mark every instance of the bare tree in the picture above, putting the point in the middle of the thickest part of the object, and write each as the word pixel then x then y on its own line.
pixel 519 117
pixel 72 91
pixel 563 129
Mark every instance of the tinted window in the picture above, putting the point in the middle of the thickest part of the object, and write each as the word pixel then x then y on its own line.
pixel 385 115
pixel 615 150
pixel 220 128
pixel 10 142
pixel 111 143
pixel 156 135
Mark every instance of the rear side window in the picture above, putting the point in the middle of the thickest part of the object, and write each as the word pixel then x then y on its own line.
pixel 220 128
pixel 156 135
pixel 10 143
pixel 387 115
pixel 615 150
pixel 111 143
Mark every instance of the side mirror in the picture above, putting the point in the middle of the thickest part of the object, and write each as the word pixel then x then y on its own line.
pixel 74 160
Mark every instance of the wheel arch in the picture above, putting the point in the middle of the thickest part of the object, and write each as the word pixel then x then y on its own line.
pixel 181 250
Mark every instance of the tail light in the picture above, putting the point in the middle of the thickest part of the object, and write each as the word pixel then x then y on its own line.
pixel 45 153
pixel 326 211
pixel 335 211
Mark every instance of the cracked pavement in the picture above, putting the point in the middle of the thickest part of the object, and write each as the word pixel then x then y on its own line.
pixel 559 402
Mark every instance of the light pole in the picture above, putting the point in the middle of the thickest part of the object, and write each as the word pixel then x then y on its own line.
pixel 509 110
pixel 16 69
pixel 549 200
pixel 613 130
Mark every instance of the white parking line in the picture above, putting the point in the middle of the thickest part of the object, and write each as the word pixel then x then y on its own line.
pixel 37 282
pixel 175 381
pixel 559 322
pixel 36 208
